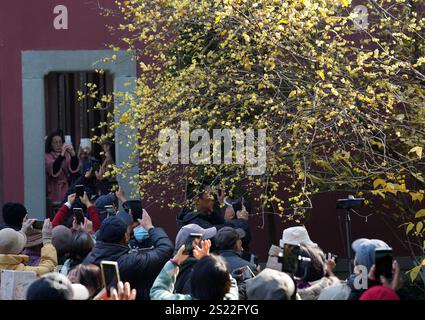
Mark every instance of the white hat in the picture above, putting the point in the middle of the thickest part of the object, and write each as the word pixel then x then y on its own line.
pixel 295 236
pixel 53 285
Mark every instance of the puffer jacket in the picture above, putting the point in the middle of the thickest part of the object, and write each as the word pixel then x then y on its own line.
pixel 138 267
pixel 48 261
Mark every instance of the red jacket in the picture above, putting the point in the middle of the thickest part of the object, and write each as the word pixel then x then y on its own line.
pixel 62 214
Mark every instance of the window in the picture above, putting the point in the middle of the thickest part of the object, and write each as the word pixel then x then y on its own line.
pixel 73 117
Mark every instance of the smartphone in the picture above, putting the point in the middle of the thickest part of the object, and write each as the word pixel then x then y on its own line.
pixel 188 246
pixel 96 166
pixel 38 224
pixel 247 273
pixel 79 190
pixel 384 263
pixel 110 211
pixel 68 140
pixel 331 256
pixel 289 258
pixel 110 275
pixel 237 206
pixel 136 208
pixel 79 215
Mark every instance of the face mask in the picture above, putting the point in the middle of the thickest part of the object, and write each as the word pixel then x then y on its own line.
pixel 140 234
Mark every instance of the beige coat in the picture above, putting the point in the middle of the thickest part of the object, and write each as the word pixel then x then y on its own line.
pixel 48 261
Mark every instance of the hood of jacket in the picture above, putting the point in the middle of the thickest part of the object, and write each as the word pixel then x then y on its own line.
pixel 10 261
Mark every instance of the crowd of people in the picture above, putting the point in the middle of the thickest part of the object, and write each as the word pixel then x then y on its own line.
pixel 210 259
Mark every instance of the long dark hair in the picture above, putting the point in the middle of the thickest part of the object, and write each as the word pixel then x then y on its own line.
pixel 89 275
pixel 81 245
pixel 210 279
pixel 48 143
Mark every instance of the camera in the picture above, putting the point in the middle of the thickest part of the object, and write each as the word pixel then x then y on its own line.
pixel 349 203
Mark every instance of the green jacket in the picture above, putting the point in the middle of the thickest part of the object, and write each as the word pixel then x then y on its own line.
pixel 163 287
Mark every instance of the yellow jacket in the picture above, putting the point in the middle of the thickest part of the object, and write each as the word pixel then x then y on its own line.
pixel 48 261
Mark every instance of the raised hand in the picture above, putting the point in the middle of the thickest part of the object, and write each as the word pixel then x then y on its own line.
pixel 204 250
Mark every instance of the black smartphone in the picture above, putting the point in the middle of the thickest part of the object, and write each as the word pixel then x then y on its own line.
pixel 79 190
pixel 96 166
pixel 136 208
pixel 188 246
pixel 110 211
pixel 38 224
pixel 110 275
pixel 237 205
pixel 79 215
pixel 289 258
pixel 384 263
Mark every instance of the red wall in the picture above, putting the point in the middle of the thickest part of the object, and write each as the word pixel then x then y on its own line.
pixel 28 25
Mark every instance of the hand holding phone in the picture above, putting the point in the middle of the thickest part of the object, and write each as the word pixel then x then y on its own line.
pixel 79 190
pixel 384 263
pixel 247 273
pixel 188 247
pixel 79 215
pixel 38 224
pixel 110 275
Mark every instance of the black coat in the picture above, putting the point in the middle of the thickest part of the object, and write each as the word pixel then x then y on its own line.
pixel 138 267
pixel 202 219
pixel 183 281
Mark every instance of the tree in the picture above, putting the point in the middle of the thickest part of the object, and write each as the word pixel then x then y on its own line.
pixel 344 107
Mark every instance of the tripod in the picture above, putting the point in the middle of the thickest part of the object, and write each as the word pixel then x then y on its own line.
pixel 348 237
pixel 348 205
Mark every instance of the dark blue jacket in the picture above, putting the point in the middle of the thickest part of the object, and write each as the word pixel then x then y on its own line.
pixel 234 260
pixel 138 267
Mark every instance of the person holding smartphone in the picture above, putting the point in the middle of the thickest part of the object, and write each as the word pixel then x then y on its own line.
pixel 13 242
pixel 61 161
pixel 364 259
pixel 206 211
pixel 139 267
pixel 190 235
pixel 65 215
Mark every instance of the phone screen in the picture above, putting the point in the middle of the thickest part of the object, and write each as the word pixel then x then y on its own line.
pixel 289 258
pixel 188 246
pixel 38 224
pixel 247 273
pixel 110 211
pixel 96 166
pixel 237 206
pixel 79 190
pixel 384 263
pixel 79 215
pixel 110 275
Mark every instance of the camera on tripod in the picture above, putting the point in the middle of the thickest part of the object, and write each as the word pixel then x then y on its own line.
pixel 349 203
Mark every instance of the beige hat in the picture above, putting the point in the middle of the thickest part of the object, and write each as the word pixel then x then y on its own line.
pixel 11 241
pixel 295 236
pixel 270 284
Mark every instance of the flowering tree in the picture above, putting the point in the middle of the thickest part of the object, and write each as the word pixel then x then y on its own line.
pixel 342 99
